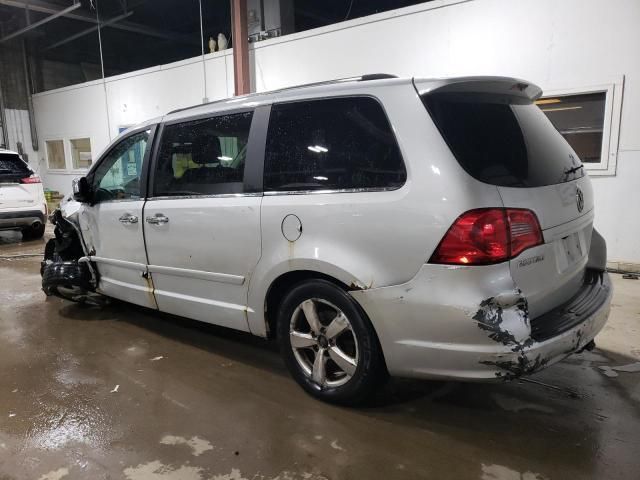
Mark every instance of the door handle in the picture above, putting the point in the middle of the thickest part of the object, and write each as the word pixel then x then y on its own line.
pixel 128 219
pixel 157 219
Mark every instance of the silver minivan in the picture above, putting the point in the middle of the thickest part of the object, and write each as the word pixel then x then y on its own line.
pixel 374 225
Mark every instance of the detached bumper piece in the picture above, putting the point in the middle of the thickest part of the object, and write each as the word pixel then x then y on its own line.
pixel 70 280
pixel 588 300
pixel 63 272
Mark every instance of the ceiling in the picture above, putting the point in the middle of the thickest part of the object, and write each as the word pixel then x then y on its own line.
pixel 150 32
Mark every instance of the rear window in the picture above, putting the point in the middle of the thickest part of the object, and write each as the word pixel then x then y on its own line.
pixel 331 144
pixel 503 140
pixel 12 167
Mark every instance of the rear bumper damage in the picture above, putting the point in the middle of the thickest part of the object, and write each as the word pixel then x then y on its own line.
pixel 448 323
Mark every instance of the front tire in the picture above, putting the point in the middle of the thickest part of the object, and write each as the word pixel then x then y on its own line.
pixel 328 344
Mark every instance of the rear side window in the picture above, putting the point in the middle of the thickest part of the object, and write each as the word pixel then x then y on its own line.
pixel 503 140
pixel 339 143
pixel 203 157
pixel 12 168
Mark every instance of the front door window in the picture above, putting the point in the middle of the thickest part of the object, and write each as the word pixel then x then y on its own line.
pixel 118 176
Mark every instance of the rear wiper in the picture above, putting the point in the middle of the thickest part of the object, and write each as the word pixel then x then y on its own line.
pixel 573 170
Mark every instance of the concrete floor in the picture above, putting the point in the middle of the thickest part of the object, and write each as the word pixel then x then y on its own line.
pixel 123 393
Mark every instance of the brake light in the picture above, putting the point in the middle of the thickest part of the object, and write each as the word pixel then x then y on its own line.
pixel 33 179
pixel 488 235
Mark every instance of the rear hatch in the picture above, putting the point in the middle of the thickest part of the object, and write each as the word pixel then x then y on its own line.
pixel 501 138
pixel 14 193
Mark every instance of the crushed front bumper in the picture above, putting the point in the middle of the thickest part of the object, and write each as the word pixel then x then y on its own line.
pixel 449 322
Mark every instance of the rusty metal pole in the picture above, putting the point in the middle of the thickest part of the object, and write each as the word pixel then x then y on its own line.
pixel 240 39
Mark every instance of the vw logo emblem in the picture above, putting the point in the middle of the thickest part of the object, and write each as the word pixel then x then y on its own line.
pixel 579 199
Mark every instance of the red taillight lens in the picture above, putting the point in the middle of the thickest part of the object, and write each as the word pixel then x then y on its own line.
pixel 34 179
pixel 488 235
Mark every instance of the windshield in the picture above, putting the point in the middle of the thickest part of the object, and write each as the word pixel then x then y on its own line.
pixel 503 140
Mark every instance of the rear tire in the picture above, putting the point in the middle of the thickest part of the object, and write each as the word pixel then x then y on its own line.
pixel 351 365
pixel 33 233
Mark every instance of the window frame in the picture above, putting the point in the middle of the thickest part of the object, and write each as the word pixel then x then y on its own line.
pixel 64 153
pixel 68 157
pixel 340 190
pixel 144 174
pixel 252 177
pixel 69 140
pixel 613 90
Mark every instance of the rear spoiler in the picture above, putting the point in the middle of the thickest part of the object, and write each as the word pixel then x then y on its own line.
pixel 504 85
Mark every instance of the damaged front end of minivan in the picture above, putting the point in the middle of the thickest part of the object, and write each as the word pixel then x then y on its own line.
pixel 66 269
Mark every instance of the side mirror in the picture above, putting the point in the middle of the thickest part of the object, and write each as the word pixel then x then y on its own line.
pixel 81 190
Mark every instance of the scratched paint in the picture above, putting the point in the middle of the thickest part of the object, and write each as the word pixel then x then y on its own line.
pixel 507 322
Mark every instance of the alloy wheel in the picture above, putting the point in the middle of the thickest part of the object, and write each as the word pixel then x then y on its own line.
pixel 323 342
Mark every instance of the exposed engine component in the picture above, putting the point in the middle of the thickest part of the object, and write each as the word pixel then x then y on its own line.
pixel 66 271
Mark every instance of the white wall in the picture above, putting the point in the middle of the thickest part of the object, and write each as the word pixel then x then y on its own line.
pixel 18 130
pixel 573 43
pixel 73 112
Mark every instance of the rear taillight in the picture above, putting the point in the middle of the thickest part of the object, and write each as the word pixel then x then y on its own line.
pixel 488 235
pixel 33 179
pixel 525 230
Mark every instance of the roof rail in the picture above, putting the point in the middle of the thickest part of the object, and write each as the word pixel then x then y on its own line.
pixel 376 76
pixel 361 78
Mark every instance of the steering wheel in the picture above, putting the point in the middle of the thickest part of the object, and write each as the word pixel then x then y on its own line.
pixel 104 193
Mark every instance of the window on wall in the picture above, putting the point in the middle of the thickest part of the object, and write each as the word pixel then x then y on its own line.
pixel 588 119
pixel 580 120
pixel 81 153
pixel 55 154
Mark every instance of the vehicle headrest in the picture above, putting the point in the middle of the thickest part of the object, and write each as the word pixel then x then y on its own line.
pixel 206 149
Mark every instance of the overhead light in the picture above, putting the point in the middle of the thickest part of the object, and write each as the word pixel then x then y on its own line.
pixel 225 158
pixel 320 178
pixel 557 109
pixel 317 149
pixel 548 101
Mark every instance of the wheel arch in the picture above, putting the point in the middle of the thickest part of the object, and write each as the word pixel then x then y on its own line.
pixel 267 289
pixel 281 286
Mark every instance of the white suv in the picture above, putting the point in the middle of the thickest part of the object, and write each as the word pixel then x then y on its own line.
pixel 22 203
pixel 422 228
